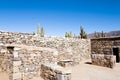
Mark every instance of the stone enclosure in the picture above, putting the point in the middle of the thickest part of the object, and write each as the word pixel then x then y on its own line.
pixel 105 51
pixel 22 54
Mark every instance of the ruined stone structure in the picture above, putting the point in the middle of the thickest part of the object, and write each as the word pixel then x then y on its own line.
pixel 54 72
pixel 105 50
pixel 23 54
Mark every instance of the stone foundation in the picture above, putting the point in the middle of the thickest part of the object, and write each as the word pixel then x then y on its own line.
pixel 103 60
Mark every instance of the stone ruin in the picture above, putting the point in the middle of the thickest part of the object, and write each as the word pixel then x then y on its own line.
pixel 105 51
pixel 24 56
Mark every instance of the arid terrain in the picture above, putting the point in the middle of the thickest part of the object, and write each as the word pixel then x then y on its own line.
pixel 86 71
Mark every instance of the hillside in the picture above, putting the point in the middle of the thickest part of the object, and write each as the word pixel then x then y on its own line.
pixel 108 34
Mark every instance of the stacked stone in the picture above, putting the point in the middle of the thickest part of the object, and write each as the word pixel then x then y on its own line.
pixel 15 73
pixel 101 47
pixel 104 45
pixel 30 65
pixel 81 48
pixel 66 63
pixel 12 37
pixel 32 59
pixel 54 72
pixel 3 58
pixel 103 60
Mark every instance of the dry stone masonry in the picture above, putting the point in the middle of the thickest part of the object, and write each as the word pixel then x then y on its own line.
pixel 23 54
pixel 14 64
pixel 67 47
pixel 55 72
pixel 103 60
pixel 104 50
pixel 67 63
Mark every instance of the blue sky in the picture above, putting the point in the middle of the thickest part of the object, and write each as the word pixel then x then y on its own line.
pixel 60 16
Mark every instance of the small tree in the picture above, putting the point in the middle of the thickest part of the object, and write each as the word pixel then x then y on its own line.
pixel 98 36
pixel 39 31
pixel 85 36
pixel 95 34
pixel 104 35
pixel 83 33
pixel 70 35
pixel 42 32
pixel 66 34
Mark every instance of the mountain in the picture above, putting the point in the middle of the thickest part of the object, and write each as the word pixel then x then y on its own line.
pixel 108 34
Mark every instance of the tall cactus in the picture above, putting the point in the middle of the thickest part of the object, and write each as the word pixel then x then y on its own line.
pixel 39 31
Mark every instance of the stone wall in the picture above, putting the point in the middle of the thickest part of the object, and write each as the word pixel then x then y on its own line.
pixel 102 51
pixel 33 58
pixel 24 62
pixel 3 58
pixel 14 64
pixel 104 45
pixel 36 50
pixel 103 60
pixel 67 47
pixel 55 72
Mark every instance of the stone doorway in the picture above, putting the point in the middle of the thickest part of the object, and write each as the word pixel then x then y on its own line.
pixel 116 53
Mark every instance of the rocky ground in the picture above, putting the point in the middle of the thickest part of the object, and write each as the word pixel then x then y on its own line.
pixel 86 71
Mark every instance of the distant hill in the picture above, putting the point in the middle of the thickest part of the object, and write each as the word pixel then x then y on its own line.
pixel 108 34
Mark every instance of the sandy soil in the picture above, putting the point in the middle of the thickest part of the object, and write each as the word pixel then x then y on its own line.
pixel 86 71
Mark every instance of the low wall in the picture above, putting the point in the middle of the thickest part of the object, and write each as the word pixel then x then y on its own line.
pixel 54 72
pixel 24 62
pixel 103 60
